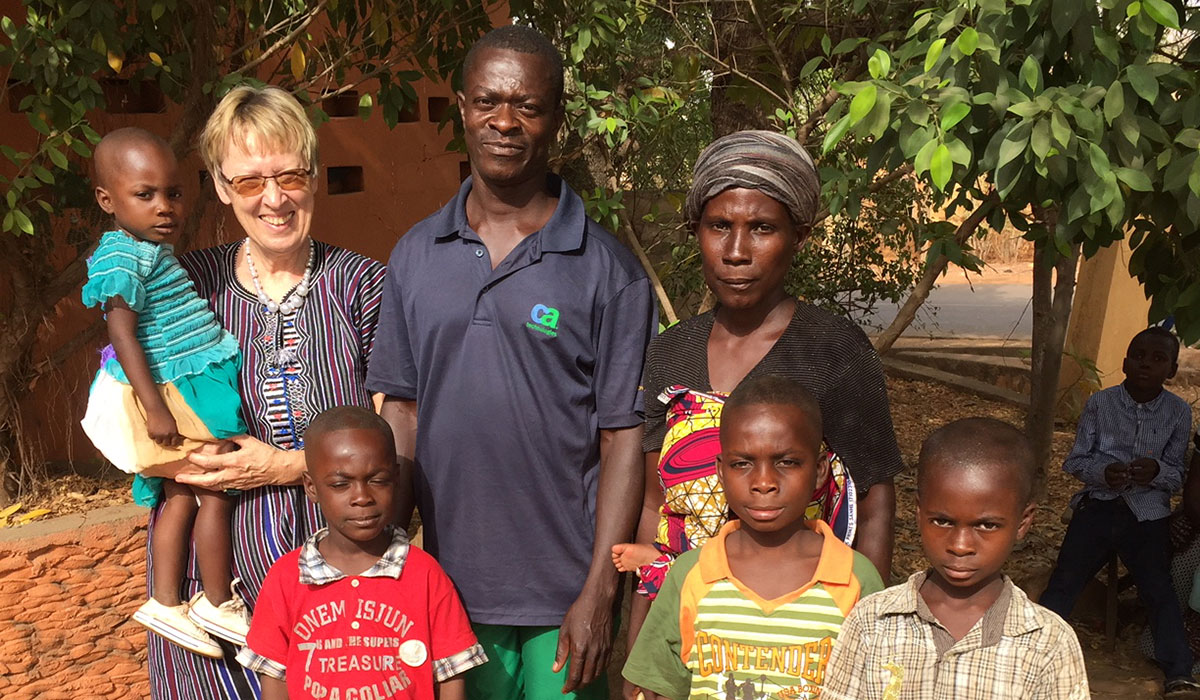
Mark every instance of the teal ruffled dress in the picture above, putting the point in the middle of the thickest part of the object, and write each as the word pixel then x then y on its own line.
pixel 184 343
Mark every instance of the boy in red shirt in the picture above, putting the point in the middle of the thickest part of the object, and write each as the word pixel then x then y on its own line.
pixel 356 613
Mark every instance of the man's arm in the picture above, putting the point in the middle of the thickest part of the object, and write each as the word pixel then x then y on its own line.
pixel 586 633
pixel 272 688
pixel 1172 467
pixel 647 529
pixel 401 415
pixel 876 516
pixel 452 689
pixel 1083 462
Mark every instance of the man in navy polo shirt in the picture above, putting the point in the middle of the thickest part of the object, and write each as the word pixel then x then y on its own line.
pixel 509 350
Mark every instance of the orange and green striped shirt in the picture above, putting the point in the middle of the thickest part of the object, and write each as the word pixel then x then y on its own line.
pixel 709 636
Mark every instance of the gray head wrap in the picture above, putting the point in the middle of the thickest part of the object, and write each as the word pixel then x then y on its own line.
pixel 771 163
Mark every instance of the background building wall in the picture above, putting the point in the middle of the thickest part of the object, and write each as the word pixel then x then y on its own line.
pixel 375 183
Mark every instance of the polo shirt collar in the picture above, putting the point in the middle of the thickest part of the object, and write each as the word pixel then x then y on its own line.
pixel 314 570
pixel 836 566
pixel 1019 618
pixel 563 233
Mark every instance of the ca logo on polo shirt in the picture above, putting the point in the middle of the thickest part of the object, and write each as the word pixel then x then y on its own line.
pixel 543 320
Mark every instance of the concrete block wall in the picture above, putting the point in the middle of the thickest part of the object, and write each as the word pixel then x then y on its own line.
pixel 68 587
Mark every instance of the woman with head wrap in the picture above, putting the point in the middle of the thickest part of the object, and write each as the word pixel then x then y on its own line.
pixel 751 206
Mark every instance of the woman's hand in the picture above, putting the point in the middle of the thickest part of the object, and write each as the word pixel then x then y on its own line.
pixel 250 464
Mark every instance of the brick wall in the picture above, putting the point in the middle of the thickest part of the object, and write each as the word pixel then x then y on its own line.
pixel 67 589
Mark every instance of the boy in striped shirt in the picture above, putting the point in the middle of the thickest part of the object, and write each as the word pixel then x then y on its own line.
pixel 755 611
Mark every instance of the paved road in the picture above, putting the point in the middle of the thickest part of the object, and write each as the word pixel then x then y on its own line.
pixel 1001 310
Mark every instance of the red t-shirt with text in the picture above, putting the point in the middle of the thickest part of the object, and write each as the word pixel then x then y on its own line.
pixel 360 637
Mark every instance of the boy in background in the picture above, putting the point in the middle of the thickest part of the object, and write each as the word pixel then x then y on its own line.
pixel 1129 453
pixel 356 612
pixel 961 630
pixel 754 612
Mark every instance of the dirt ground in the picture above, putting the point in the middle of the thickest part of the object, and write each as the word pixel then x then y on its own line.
pixel 918 408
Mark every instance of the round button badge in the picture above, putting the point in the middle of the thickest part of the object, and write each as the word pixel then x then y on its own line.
pixel 413 652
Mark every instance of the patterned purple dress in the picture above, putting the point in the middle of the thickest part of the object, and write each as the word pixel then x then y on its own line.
pixel 327 342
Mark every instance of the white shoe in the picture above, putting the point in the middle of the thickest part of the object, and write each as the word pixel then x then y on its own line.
pixel 229 620
pixel 173 625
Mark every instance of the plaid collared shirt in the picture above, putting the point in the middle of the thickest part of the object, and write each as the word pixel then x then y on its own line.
pixel 888 649
pixel 315 570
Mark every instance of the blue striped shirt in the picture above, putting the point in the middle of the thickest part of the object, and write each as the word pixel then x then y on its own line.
pixel 1115 428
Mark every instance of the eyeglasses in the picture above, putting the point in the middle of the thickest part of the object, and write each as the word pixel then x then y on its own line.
pixel 250 185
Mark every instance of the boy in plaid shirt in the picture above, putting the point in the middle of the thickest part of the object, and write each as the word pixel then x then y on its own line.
pixel 961 630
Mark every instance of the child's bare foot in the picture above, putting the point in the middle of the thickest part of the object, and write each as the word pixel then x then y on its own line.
pixel 630 556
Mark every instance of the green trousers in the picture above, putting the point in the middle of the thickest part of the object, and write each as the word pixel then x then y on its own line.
pixel 518 667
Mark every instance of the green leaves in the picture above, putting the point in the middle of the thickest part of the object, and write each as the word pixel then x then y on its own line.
pixel 1013 145
pixel 1060 129
pixel 954 114
pixel 1162 12
pixel 967 41
pixel 1031 72
pixel 1136 179
pixel 835 134
pixel 941 166
pixel 934 53
pixel 1114 101
pixel 1141 77
pixel 862 103
pixel 19 219
pixel 1065 13
pixel 1039 140
pixel 880 64
pixel 1188 138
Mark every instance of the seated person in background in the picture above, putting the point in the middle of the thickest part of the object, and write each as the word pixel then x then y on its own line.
pixel 961 629
pixel 356 611
pixel 754 611
pixel 1129 453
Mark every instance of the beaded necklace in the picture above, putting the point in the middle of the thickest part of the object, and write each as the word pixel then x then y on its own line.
pixel 292 301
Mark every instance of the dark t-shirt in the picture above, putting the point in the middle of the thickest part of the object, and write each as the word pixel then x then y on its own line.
pixel 515 371
pixel 827 354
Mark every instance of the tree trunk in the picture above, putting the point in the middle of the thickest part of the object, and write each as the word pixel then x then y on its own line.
pixel 933 269
pixel 1053 291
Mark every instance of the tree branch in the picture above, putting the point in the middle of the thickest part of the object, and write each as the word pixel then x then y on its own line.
pixel 874 187
pixel 933 269
pixel 827 101
pixel 306 20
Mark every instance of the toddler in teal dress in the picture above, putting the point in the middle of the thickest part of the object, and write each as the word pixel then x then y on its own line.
pixel 170 389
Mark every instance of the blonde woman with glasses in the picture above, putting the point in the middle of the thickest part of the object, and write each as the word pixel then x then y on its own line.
pixel 304 314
